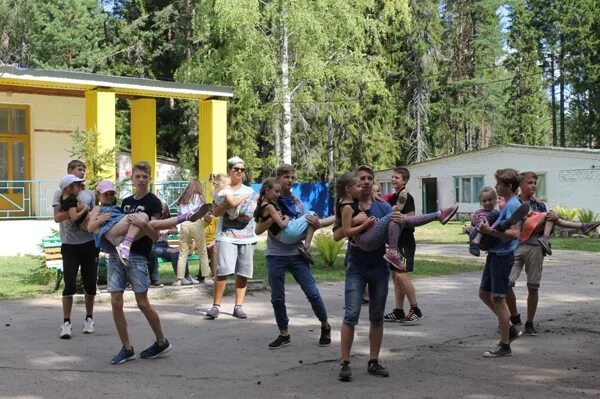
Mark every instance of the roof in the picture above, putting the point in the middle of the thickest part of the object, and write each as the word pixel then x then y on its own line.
pixel 77 83
pixel 511 147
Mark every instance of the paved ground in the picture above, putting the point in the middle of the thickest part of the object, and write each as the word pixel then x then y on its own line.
pixel 227 358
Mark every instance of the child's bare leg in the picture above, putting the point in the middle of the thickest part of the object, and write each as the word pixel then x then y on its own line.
pixel 310 231
pixel 548 226
pixel 477 239
pixel 567 224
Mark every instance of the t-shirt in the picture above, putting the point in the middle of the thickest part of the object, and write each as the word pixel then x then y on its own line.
pixel 210 229
pixel 409 206
pixel 241 229
pixel 71 233
pixel 375 257
pixel 507 246
pixel 150 205
pixel 277 248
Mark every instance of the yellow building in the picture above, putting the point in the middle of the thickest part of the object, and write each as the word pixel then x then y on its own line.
pixel 40 109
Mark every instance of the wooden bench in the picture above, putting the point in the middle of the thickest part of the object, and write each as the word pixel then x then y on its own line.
pixel 53 256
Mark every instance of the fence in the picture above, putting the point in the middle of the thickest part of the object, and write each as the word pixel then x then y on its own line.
pixel 32 199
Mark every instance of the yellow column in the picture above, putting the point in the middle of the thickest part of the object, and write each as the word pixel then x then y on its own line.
pixel 212 139
pixel 100 115
pixel 143 132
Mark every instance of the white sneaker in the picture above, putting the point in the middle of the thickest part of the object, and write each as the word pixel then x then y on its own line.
pixel 208 281
pixel 65 330
pixel 89 327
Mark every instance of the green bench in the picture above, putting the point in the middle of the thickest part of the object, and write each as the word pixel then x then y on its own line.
pixel 52 255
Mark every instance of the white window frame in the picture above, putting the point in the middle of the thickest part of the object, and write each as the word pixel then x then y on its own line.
pixel 459 187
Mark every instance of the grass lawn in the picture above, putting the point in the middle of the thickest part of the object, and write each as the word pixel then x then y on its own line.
pixel 22 277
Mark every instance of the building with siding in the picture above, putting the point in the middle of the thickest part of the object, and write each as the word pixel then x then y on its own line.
pixel 569 177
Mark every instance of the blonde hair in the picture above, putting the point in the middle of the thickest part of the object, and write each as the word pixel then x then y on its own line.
pixel 488 190
pixel 220 180
pixel 193 187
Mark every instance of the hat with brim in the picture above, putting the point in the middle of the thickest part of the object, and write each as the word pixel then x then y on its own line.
pixel 105 186
pixel 67 180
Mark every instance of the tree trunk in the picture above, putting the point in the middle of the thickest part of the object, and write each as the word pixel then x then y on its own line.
pixel 330 132
pixel 553 101
pixel 286 143
pixel 562 93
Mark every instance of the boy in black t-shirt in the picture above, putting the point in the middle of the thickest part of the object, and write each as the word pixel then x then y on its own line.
pixel 137 270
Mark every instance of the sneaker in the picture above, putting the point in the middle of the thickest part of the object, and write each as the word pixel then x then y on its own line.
pixel 402 197
pixel 305 252
pixel 213 312
pixel 89 327
pixel 182 281
pixel 515 320
pixel 65 330
pixel 123 254
pixel 394 315
pixel 239 313
pixel 411 317
pixel 499 351
pixel 515 218
pixel 589 227
pixel 416 310
pixel 395 260
pixel 207 281
pixel 280 342
pixel 447 213
pixel 191 280
pixel 530 329
pixel 199 214
pixel 474 249
pixel 325 339
pixel 345 371
pixel 377 369
pixel 156 350
pixel 513 333
pixel 123 356
pixel 364 301
pixel 543 240
pixel 157 283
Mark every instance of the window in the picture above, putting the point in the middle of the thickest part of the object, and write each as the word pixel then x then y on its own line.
pixel 386 187
pixel 540 189
pixel 466 188
pixel 14 143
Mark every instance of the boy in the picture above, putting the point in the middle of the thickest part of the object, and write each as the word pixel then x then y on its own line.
pixel 210 232
pixel 499 261
pixel 137 270
pixel 77 249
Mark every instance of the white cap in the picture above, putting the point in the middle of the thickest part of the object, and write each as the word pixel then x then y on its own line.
pixel 67 180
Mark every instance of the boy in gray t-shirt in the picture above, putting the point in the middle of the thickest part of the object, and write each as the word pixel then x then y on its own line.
pixel 77 249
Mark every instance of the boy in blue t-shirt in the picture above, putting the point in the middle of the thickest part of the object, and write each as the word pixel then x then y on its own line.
pixel 499 261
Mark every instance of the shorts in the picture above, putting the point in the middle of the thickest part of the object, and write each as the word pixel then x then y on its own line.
pixel 235 258
pixel 136 273
pixel 376 277
pixel 295 231
pixel 532 257
pixel 495 274
pixel 407 248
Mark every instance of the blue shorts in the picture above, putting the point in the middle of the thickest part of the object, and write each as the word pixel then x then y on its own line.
pixel 496 273
pixel 136 273
pixel 376 277
pixel 295 231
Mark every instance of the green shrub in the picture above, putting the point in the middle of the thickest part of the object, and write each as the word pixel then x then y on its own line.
pixel 41 275
pixel 586 215
pixel 566 213
pixel 328 248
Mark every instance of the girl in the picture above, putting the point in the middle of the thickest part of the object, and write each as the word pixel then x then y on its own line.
pixel 71 186
pixel 108 222
pixel 238 206
pixel 190 201
pixel 283 229
pixel 367 232
pixel 488 200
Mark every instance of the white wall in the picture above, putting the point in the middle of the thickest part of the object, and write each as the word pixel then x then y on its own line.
pixel 572 177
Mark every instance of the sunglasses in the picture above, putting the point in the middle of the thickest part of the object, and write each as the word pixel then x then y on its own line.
pixel 236 169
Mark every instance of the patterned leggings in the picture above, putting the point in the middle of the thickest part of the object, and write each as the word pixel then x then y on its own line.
pixel 385 228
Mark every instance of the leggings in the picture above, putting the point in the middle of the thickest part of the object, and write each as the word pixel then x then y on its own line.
pixel 385 228
pixel 86 255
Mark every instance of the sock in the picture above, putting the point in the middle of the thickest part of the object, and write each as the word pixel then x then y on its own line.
pixel 413 306
pixel 182 217
pixel 217 305
pixel 399 311
pixel 128 240
pixel 373 361
pixel 88 316
pixel 66 320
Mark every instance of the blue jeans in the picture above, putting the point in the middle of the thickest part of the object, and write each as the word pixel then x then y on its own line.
pixel 359 275
pixel 277 265
pixel 161 251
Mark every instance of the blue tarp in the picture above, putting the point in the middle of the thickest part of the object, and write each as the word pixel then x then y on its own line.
pixel 314 196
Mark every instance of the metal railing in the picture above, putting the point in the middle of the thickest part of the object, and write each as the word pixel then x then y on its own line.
pixel 32 199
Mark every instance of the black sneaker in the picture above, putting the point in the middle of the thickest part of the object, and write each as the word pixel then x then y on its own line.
pixel 364 301
pixel 513 333
pixel 325 339
pixel 530 329
pixel 499 351
pixel 377 369
pixel 280 342
pixel 474 249
pixel 394 315
pixel 156 350
pixel 417 311
pixel 412 317
pixel 515 320
pixel 345 371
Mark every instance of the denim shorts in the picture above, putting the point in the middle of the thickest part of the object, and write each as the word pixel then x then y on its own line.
pixel 136 273
pixel 496 273
pixel 357 277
